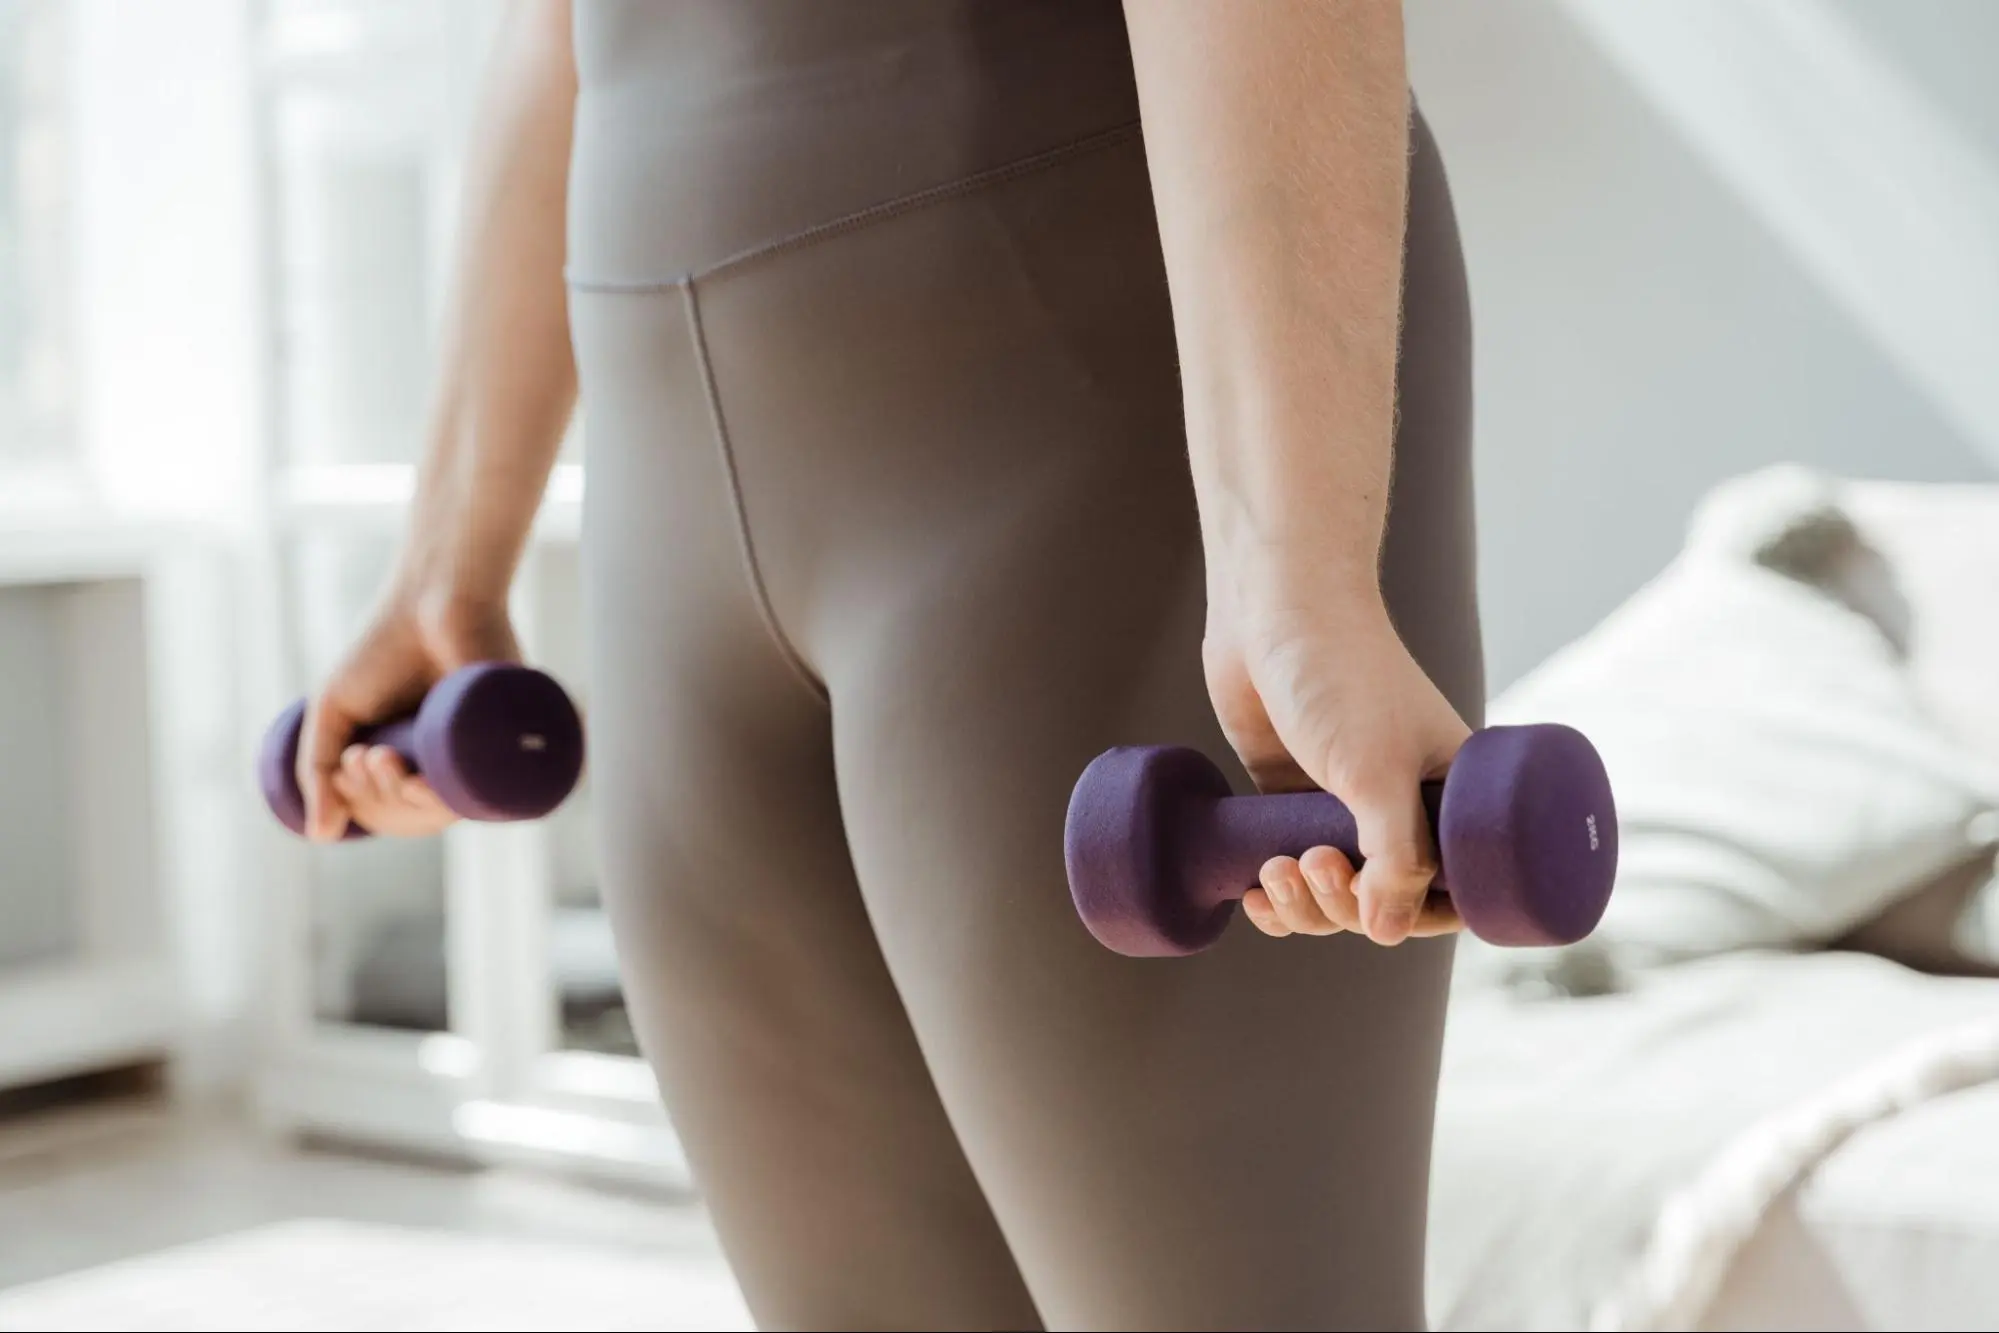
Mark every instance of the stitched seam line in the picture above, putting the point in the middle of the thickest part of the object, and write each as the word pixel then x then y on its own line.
pixel 877 213
pixel 759 592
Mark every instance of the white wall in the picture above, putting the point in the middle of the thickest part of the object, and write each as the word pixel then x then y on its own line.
pixel 1947 45
pixel 1643 330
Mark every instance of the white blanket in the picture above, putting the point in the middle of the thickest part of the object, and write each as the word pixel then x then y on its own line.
pixel 1566 1127
pixel 1602 1161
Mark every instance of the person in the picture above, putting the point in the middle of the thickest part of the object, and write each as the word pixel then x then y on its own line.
pixel 970 386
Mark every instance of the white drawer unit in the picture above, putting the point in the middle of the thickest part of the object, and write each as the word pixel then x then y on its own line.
pixel 89 973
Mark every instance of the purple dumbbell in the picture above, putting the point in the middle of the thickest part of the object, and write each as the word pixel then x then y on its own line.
pixel 1159 850
pixel 496 741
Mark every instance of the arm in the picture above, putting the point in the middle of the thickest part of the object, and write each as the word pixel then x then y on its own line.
pixel 504 398
pixel 1278 134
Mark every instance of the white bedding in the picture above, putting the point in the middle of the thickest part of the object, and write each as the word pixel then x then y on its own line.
pixel 1565 1125
pixel 1899 1229
pixel 1779 780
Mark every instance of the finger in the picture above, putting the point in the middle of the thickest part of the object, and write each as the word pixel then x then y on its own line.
pixel 417 795
pixel 1330 876
pixel 1256 906
pixel 352 794
pixel 320 744
pixel 399 803
pixel 354 767
pixel 358 789
pixel 1400 861
pixel 351 779
pixel 1292 897
pixel 386 772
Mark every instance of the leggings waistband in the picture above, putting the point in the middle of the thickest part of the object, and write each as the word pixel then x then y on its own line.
pixel 584 282
pixel 711 131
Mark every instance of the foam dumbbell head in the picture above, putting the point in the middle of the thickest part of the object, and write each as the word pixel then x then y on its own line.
pixel 496 741
pixel 1531 829
pixel 1159 850
pixel 1127 846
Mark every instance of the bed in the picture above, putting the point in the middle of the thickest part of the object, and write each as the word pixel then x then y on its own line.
pixel 1759 1138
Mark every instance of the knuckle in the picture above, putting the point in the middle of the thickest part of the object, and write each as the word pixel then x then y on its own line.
pixel 1289 913
pixel 1383 901
pixel 1327 863
pixel 1266 921
pixel 1340 909
pixel 1407 861
pixel 1278 870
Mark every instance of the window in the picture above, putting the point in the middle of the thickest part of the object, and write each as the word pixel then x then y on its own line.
pixel 367 122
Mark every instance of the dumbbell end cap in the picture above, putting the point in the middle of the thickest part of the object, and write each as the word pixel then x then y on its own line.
pixel 1528 817
pixel 1120 846
pixel 277 772
pixel 501 742
pixel 277 767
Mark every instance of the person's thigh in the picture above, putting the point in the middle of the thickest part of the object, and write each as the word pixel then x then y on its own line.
pixel 752 974
pixel 988 546
pixel 1236 1140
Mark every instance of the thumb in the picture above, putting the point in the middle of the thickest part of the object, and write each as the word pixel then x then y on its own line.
pixel 1401 859
pixel 326 733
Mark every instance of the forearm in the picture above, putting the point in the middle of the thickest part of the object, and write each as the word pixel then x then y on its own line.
pixel 508 381
pixel 1277 137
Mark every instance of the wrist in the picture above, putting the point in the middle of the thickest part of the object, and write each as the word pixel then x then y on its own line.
pixel 1294 521
pixel 460 548
pixel 442 592
pixel 1284 604
pixel 1258 568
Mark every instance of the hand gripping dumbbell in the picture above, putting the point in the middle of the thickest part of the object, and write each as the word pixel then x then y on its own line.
pixel 1159 850
pixel 496 741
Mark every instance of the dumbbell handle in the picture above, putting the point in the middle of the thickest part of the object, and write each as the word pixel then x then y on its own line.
pixel 1223 844
pixel 399 734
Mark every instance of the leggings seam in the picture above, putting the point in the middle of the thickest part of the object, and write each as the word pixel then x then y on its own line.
pixel 874 213
pixel 745 544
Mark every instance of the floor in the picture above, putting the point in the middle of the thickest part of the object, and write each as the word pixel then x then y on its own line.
pixel 130 1214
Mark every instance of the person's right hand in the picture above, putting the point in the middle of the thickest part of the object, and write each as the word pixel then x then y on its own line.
pixel 403 652
pixel 1314 688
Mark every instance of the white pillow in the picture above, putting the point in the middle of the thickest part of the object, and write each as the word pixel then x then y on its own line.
pixel 1777 781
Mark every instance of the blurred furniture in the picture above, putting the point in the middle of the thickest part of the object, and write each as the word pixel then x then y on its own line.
pixel 86 970
pixel 456 995
pixel 114 670
pixel 1569 1127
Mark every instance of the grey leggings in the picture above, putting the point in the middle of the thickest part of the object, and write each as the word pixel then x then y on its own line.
pixel 889 530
